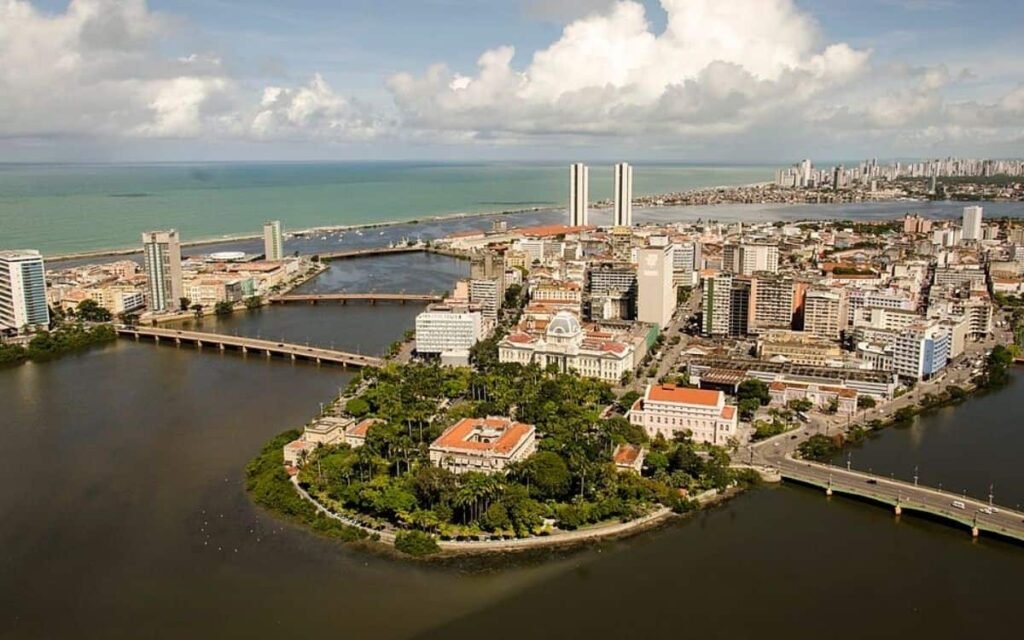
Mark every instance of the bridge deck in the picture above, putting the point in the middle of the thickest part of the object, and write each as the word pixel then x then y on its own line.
pixel 975 515
pixel 356 297
pixel 245 344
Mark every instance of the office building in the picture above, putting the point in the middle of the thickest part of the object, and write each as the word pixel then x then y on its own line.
pixel 774 302
pixel 445 329
pixel 489 265
pixel 23 291
pixel 656 294
pixel 668 410
pixel 485 294
pixel 611 291
pixel 273 240
pixel 825 313
pixel 972 224
pixel 623 195
pixel 748 259
pixel 921 351
pixel 579 178
pixel 717 303
pixel 161 252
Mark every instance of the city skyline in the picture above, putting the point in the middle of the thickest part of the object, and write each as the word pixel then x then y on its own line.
pixel 183 80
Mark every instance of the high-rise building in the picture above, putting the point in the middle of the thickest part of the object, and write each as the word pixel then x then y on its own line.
pixel 579 179
pixel 161 252
pixel 656 294
pixel 774 301
pixel 739 307
pixel 972 223
pixel 611 291
pixel 446 329
pixel 749 258
pixel 825 313
pixel 717 304
pixel 922 350
pixel 489 265
pixel 623 195
pixel 485 293
pixel 273 241
pixel 22 291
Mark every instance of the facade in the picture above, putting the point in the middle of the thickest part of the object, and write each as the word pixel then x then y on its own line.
pixel 623 195
pixel 443 329
pixel 750 258
pixel 825 313
pixel 972 224
pixel 162 263
pixel 486 294
pixel 717 304
pixel 485 445
pixel 656 293
pixel 820 395
pixel 798 347
pixel 23 291
pixel 611 291
pixel 774 301
pixel 566 346
pixel 489 265
pixel 273 240
pixel 921 351
pixel 579 178
pixel 668 410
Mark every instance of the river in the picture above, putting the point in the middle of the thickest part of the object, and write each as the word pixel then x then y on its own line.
pixel 123 515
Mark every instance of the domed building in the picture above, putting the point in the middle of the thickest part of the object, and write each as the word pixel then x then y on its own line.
pixel 567 345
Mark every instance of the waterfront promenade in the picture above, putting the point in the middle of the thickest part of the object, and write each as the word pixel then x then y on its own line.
pixel 975 515
pixel 246 345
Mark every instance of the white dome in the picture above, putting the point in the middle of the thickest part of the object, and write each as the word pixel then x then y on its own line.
pixel 564 324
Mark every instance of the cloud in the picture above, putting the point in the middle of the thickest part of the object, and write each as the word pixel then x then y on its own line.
pixel 101 69
pixel 717 66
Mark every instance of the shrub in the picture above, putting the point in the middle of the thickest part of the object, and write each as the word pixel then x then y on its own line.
pixel 416 543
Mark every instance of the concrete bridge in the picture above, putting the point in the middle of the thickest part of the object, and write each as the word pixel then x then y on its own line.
pixel 383 251
pixel 974 515
pixel 372 298
pixel 267 347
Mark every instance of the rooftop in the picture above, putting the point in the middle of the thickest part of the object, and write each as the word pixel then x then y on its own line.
pixel 683 395
pixel 484 435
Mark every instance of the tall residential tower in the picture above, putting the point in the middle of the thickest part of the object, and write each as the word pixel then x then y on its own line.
pixel 273 241
pixel 579 178
pixel 161 251
pixel 623 195
pixel 22 291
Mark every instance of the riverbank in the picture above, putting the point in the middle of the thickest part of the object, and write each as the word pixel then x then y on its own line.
pixel 49 345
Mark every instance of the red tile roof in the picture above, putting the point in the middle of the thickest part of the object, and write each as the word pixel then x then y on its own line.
pixel 626 454
pixel 458 436
pixel 683 395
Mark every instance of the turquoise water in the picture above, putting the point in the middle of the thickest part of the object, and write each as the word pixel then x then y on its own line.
pixel 70 208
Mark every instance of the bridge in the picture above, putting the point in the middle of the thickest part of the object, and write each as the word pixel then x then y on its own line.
pixel 384 251
pixel 975 515
pixel 269 348
pixel 372 298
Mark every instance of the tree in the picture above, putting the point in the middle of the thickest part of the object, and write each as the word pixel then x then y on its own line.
pixel 197 309
pixel 753 388
pixel 184 303
pixel 90 311
pixel 748 407
pixel 357 407
pixel 253 302
pixel 865 402
pixel 547 475
pixel 224 308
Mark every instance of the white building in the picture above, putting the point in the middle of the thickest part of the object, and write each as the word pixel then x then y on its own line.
pixel 568 347
pixel 487 294
pixel 273 241
pixel 485 445
pixel 972 223
pixel 23 291
pixel 921 351
pixel 579 178
pixel 623 195
pixel 668 410
pixel 748 259
pixel 825 313
pixel 447 329
pixel 656 293
pixel 162 257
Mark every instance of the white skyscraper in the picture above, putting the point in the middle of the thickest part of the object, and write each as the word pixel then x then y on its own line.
pixel 656 294
pixel 22 291
pixel 161 251
pixel 623 195
pixel 273 241
pixel 579 179
pixel 972 223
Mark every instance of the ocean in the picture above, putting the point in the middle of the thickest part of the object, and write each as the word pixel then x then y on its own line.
pixel 69 208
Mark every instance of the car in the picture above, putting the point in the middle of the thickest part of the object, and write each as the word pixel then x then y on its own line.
pixel 959 504
pixel 987 510
pixel 872 481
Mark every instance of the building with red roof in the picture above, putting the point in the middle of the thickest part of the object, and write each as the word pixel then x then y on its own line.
pixel 487 445
pixel 667 410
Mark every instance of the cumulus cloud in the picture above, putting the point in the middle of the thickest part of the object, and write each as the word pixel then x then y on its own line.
pixel 99 69
pixel 717 66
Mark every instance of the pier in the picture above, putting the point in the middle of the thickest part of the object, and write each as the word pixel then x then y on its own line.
pixel 975 516
pixel 269 348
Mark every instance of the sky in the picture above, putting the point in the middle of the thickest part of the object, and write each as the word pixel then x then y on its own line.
pixel 724 81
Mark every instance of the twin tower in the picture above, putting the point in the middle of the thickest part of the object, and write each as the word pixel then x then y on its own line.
pixel 579 178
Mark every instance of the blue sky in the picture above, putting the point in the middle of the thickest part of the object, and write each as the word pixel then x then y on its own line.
pixel 744 80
